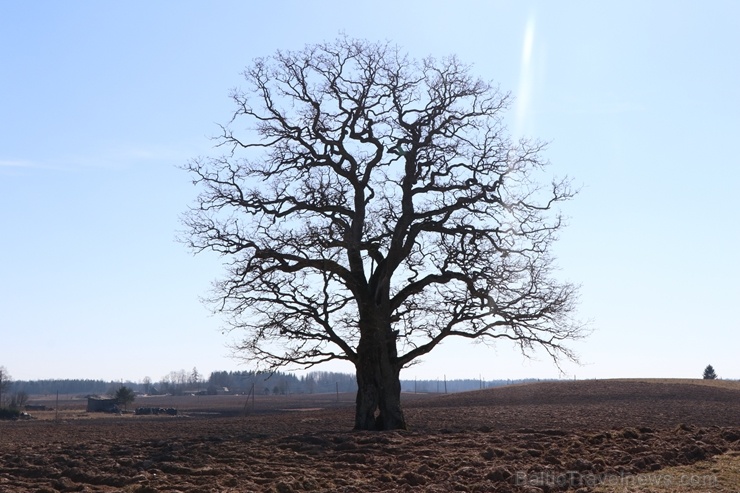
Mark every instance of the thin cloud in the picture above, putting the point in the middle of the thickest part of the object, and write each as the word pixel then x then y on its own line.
pixel 10 163
pixel 115 157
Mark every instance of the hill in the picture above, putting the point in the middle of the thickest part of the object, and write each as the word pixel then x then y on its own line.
pixel 593 391
pixel 589 404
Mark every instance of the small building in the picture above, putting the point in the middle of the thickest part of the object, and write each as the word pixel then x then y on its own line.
pixel 214 390
pixel 101 405
pixel 37 407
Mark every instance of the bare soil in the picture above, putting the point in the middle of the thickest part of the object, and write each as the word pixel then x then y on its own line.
pixel 541 437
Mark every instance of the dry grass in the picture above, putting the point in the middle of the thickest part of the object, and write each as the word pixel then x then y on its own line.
pixel 720 474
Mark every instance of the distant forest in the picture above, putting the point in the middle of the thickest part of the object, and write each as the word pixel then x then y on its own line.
pixel 243 382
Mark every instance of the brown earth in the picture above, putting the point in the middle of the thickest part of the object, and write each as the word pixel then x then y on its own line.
pixel 541 437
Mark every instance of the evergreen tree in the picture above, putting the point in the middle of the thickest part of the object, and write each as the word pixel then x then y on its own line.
pixel 124 396
pixel 709 373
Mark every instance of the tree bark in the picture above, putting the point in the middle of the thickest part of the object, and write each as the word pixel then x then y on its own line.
pixel 378 405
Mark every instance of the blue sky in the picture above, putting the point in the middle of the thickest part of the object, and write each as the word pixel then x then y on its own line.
pixel 100 102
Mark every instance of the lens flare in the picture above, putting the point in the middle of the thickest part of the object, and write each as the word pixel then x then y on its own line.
pixel 524 94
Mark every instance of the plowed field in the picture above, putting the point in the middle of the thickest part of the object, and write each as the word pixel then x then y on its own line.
pixel 541 437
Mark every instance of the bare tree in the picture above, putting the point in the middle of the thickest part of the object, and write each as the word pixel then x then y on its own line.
pixel 19 400
pixel 5 382
pixel 147 382
pixel 369 206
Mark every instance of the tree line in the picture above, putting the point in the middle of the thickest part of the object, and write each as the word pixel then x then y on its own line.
pixel 238 382
pixel 16 392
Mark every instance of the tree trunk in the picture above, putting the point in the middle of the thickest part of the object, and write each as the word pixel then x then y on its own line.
pixel 378 380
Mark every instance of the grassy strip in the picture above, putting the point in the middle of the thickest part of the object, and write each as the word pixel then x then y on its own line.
pixel 720 474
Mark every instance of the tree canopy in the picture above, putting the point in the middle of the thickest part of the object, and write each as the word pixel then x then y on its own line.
pixel 124 396
pixel 369 206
